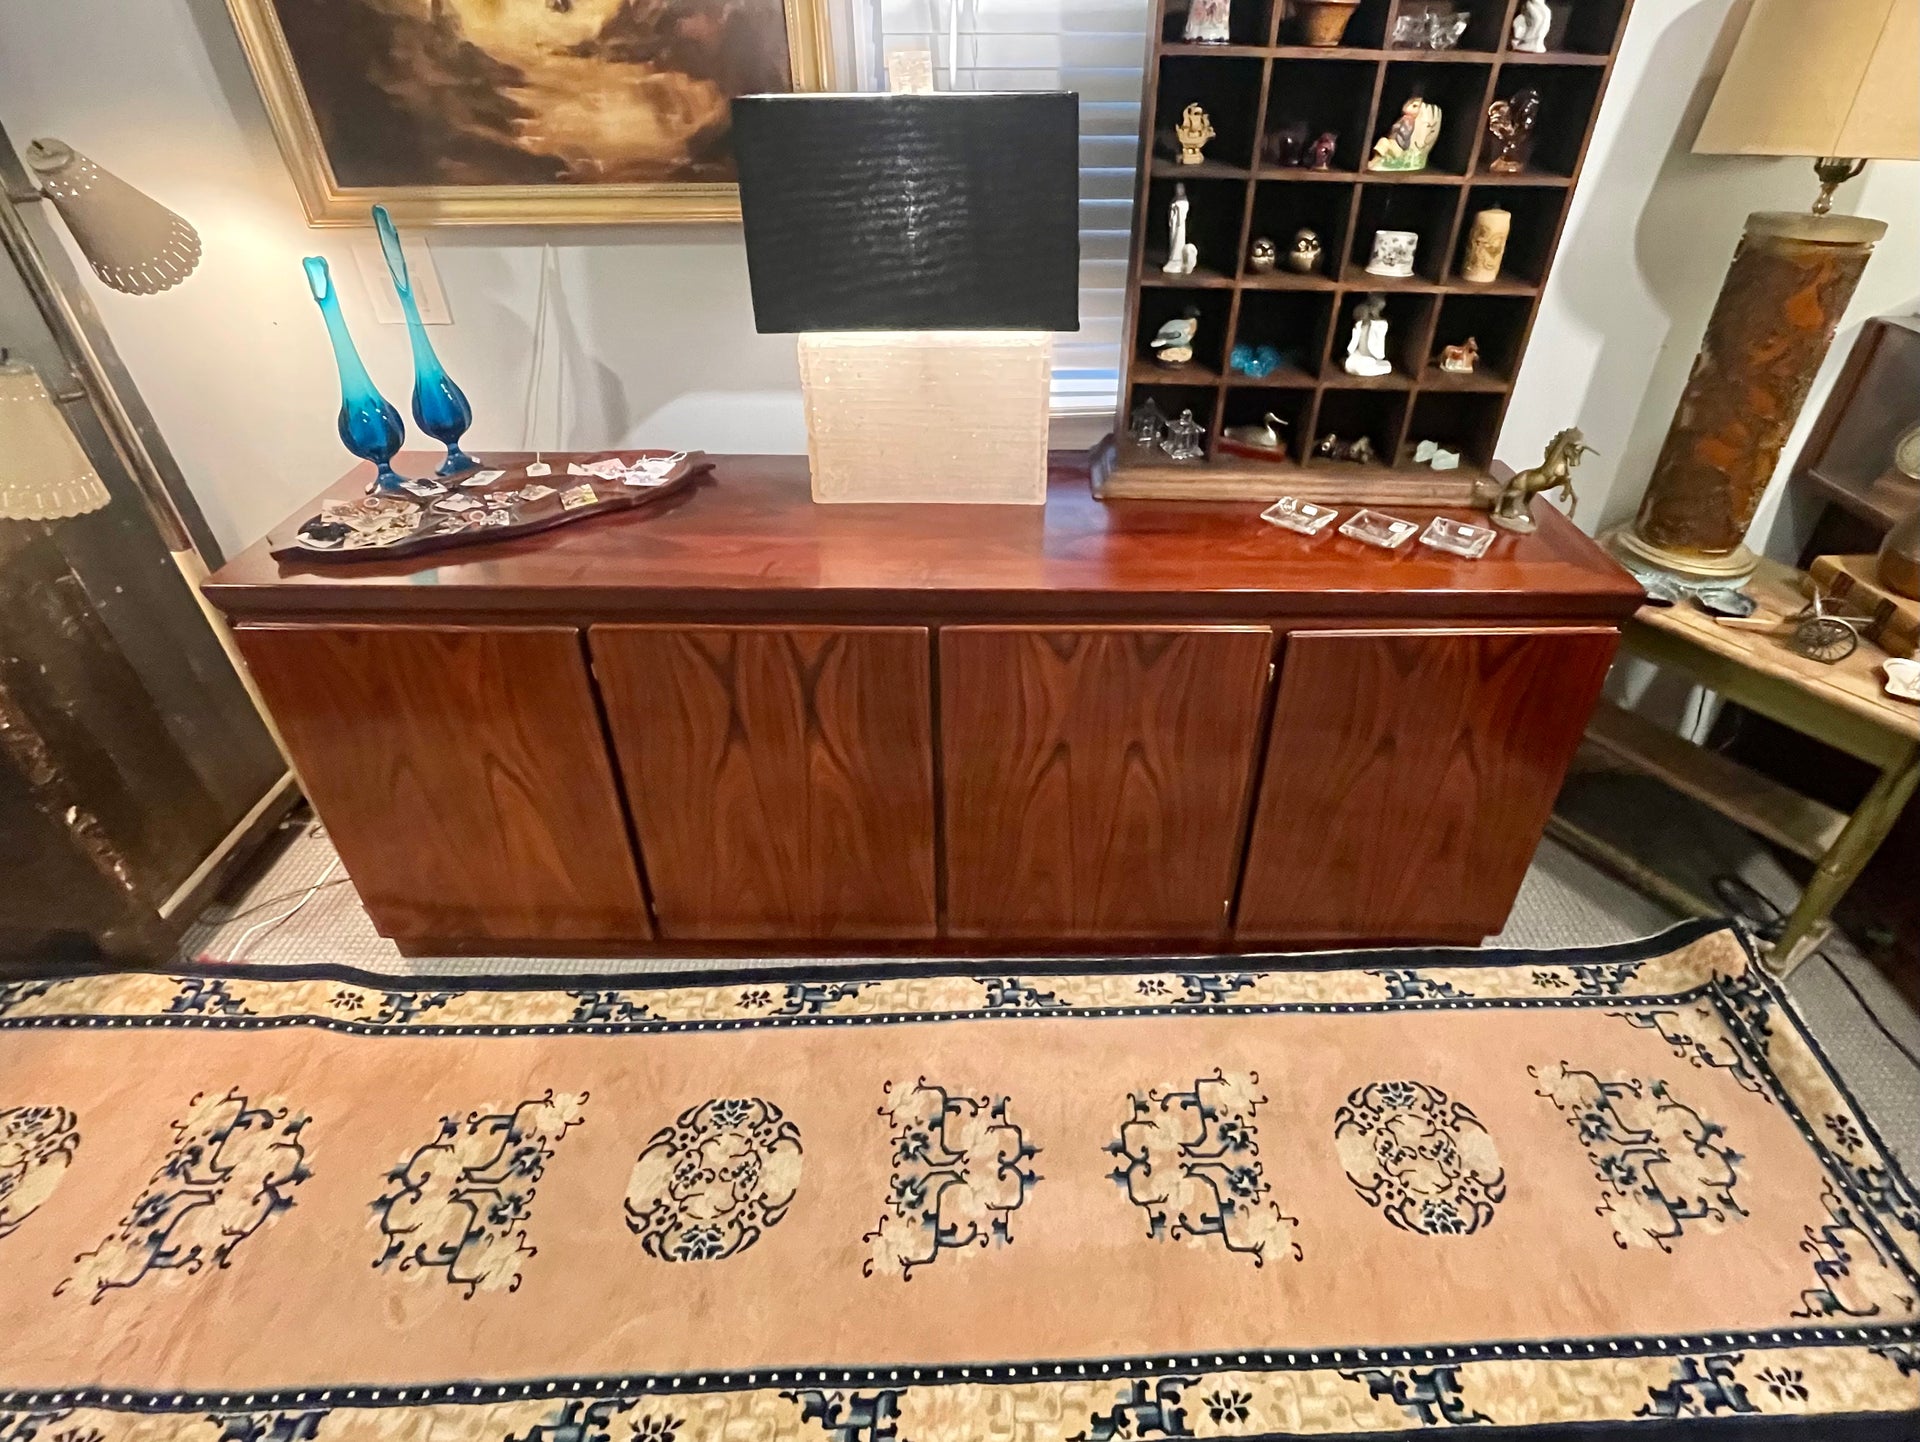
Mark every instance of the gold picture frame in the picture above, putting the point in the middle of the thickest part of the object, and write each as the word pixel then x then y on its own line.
pixel 329 203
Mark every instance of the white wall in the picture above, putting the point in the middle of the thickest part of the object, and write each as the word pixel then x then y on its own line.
pixel 655 324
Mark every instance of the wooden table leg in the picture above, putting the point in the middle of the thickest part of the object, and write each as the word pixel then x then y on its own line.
pixel 1864 831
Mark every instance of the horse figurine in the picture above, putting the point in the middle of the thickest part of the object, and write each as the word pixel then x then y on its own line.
pixel 1555 472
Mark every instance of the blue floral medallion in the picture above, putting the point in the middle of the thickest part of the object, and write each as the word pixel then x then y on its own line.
pixel 960 1172
pixel 461 1203
pixel 1662 1166
pixel 233 1168
pixel 36 1147
pixel 1420 1157
pixel 1191 1161
pixel 711 1184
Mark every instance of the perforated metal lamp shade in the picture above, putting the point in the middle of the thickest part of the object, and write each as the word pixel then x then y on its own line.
pixel 134 243
pixel 44 475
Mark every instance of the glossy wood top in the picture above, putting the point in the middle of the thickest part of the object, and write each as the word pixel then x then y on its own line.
pixel 749 542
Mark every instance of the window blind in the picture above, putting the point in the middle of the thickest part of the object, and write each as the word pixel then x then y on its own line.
pixel 1093 47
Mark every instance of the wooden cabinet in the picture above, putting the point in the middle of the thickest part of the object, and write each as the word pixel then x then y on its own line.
pixel 1096 780
pixel 462 775
pixel 781 778
pixel 1409 775
pixel 807 729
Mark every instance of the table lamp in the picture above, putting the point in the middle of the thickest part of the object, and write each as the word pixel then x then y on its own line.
pixel 923 247
pixel 1837 80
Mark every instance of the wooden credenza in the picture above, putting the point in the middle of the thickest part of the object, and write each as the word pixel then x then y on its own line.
pixel 740 723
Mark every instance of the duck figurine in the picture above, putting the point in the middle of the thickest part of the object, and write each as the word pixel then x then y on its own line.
pixel 1172 344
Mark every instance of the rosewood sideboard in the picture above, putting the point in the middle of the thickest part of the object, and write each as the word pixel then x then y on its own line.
pixel 738 722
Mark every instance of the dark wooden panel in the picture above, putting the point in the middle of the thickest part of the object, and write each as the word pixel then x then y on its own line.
pixel 1408 777
pixel 462 774
pixel 781 778
pixel 1096 780
pixel 748 542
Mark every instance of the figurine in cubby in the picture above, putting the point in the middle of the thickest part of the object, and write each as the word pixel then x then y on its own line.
pixel 1359 450
pixel 1461 359
pixel 1367 344
pixel 1172 344
pixel 1193 132
pixel 1510 125
pixel 1530 25
pixel 1183 439
pixel 1320 153
pixel 1286 143
pixel 1182 255
pixel 1261 256
pixel 1208 22
pixel 1486 245
pixel 1411 140
pixel 1393 252
pixel 1303 257
pixel 1147 424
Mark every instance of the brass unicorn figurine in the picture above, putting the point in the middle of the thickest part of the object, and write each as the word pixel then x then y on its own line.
pixel 1555 472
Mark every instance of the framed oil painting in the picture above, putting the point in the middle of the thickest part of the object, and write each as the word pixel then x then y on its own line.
pixel 518 111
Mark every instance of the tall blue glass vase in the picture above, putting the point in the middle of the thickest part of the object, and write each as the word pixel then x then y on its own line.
pixel 369 425
pixel 439 406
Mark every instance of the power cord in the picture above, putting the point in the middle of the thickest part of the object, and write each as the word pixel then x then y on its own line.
pixel 1759 915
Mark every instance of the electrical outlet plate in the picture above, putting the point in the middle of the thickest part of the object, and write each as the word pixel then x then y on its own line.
pixel 427 294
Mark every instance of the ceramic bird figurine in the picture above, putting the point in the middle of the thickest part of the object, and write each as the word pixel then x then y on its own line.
pixel 1173 343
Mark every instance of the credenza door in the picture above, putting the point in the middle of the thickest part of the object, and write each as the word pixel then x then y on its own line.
pixel 461 774
pixel 1096 779
pixel 1408 777
pixel 780 777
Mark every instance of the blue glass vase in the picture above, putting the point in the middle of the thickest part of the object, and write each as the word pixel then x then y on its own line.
pixel 439 406
pixel 369 425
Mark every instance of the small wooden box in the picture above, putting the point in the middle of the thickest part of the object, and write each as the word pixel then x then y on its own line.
pixel 931 416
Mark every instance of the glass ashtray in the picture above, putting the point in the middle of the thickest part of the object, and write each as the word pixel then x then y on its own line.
pixel 1386 532
pixel 1302 516
pixel 1459 537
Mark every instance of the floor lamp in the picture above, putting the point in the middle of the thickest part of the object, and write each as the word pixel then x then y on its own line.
pixel 1839 81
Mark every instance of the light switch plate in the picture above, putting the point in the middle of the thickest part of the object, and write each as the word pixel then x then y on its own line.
pixel 427 294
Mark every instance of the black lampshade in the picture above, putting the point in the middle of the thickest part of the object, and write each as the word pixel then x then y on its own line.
pixel 911 212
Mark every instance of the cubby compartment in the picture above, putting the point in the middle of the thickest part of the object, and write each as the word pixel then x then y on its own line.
pixel 1227 87
pixel 1466 423
pixel 1459 88
pixel 1568 95
pixel 1215 209
pixel 1248 23
pixel 1281 210
pixel 1366 29
pixel 1349 413
pixel 1584 27
pixel 1426 210
pixel 1497 324
pixel 1160 304
pixel 1485 19
pixel 1249 406
pixel 1171 400
pixel 1409 325
pixel 1293 322
pixel 1308 98
pixel 1535 212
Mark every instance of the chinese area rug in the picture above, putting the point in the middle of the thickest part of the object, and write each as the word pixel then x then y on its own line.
pixel 1567 1194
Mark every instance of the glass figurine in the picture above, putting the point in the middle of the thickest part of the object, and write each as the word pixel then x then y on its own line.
pixel 1147 424
pixel 369 425
pixel 439 406
pixel 1183 439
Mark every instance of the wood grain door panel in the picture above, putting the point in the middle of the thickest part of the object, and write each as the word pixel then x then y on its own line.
pixel 461 773
pixel 1096 779
pixel 1409 775
pixel 781 778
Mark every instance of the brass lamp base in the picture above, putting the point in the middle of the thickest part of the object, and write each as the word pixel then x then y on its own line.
pixel 1727 570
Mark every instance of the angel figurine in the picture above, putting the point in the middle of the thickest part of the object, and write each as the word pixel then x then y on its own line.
pixel 1367 346
pixel 1530 25
pixel 1182 254
pixel 1407 145
pixel 1510 126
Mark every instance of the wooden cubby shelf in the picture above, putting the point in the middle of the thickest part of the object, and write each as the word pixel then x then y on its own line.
pixel 1260 90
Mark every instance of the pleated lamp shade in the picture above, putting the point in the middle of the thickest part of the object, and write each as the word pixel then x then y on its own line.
pixel 134 244
pixel 44 475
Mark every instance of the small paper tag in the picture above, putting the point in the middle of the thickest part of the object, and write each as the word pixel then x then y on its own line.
pixel 536 493
pixel 574 468
pixel 539 468
pixel 483 478
pixel 456 503
pixel 423 488
pixel 578 496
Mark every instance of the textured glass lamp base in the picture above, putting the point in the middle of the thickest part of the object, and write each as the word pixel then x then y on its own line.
pixel 929 416
pixel 1640 553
